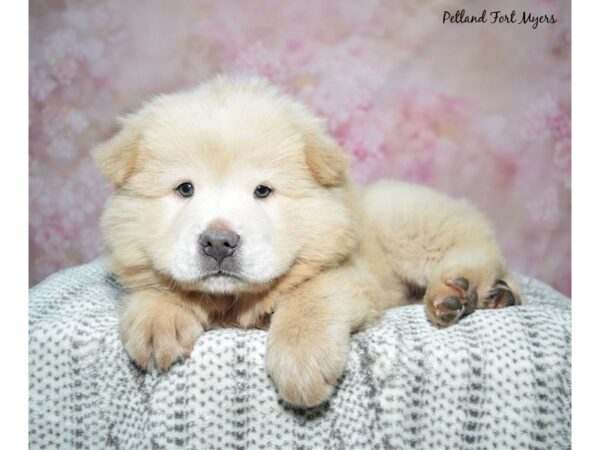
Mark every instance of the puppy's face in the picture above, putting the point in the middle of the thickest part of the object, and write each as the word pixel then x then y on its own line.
pixel 225 188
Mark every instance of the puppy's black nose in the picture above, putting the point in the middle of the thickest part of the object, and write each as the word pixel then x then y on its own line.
pixel 218 243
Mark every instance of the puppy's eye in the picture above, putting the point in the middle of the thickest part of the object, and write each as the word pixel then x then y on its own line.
pixel 262 191
pixel 185 189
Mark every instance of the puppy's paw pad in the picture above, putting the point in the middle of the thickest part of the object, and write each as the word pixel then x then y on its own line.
pixel 451 301
pixel 500 296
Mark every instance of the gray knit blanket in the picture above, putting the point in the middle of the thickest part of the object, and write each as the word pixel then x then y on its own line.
pixel 500 379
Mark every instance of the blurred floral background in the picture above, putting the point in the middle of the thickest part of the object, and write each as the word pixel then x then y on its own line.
pixel 477 110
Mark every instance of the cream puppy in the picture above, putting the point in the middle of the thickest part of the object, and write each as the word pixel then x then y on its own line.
pixel 233 207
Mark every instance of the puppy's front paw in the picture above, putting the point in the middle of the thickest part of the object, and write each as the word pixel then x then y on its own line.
pixel 446 302
pixel 157 333
pixel 305 372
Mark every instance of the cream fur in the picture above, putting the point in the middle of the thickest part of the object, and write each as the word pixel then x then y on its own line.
pixel 317 259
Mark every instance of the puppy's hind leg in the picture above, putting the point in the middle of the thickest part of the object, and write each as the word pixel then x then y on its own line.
pixel 468 278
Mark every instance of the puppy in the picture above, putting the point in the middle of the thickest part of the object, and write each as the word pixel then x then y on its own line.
pixel 233 207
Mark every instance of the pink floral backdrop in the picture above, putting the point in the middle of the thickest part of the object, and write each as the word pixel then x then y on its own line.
pixel 477 110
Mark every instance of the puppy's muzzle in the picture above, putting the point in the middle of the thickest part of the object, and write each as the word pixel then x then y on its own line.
pixel 218 243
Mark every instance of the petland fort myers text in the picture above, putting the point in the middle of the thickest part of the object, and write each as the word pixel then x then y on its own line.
pixel 499 17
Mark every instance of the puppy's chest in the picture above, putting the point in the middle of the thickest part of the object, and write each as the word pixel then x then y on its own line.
pixel 230 320
pixel 240 313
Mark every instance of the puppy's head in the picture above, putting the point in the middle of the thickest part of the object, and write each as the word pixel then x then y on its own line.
pixel 225 188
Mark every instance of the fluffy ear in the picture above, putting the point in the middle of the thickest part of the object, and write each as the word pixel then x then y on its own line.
pixel 117 157
pixel 325 158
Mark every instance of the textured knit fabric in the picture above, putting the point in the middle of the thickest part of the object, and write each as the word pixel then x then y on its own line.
pixel 498 379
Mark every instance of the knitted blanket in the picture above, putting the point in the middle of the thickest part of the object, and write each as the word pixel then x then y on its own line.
pixel 498 379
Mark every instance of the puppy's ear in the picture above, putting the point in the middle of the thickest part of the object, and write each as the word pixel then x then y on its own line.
pixel 116 158
pixel 325 158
